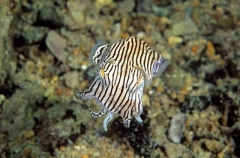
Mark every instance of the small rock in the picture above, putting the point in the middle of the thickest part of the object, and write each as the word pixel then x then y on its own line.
pixel 177 77
pixel 210 50
pixel 49 91
pixel 176 150
pixel 73 62
pixel 27 151
pixel 29 134
pixel 127 6
pixel 2 98
pixel 189 135
pixel 85 156
pixel 196 48
pixel 57 44
pixel 176 128
pixel 196 16
pixel 213 145
pixel 77 11
pixel 144 6
pixel 184 27
pixel 165 20
pixel 102 3
pixel 162 7
pixel 226 22
pixel 71 79
pixel 173 40
pixel 146 100
pixel 140 34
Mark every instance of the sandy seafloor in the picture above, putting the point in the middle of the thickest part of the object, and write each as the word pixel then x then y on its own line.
pixel 44 48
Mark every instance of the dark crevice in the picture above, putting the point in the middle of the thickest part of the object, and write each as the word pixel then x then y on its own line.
pixel 69 114
pixel 83 128
pixel 212 77
pixel 236 137
pixel 8 89
pixel 194 102
pixel 138 134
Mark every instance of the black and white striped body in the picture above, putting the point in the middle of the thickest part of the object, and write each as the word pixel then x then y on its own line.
pixel 124 68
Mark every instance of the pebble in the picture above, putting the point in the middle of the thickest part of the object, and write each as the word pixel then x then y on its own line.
pixel 144 6
pixel 27 151
pixel 189 135
pixel 177 77
pixel 140 34
pixel 29 134
pixel 166 20
pixel 127 6
pixel 57 44
pixel 76 10
pixel 196 15
pixel 214 145
pixel 102 3
pixel 49 91
pixel 85 156
pixel 184 27
pixel 196 49
pixel 173 40
pixel 146 100
pixel 2 98
pixel 71 79
pixel 84 67
pixel 177 150
pixel 198 151
pixel 162 8
pixel 226 22
pixel 210 51
pixel 176 128
pixel 62 148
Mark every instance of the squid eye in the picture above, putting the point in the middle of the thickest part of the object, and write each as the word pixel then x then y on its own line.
pixel 159 66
